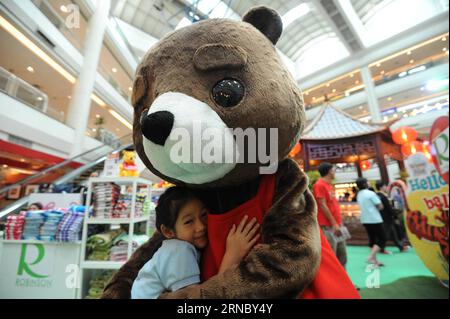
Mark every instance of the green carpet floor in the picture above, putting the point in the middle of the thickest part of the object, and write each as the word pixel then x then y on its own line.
pixel 404 275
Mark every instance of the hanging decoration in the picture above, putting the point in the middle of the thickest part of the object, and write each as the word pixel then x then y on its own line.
pixel 404 135
pixel 295 150
pixel 365 165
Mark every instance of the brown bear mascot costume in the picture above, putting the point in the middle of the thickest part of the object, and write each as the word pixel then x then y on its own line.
pixel 227 75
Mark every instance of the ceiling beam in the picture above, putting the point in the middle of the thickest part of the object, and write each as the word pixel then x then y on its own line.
pixel 353 21
pixel 417 34
pixel 327 18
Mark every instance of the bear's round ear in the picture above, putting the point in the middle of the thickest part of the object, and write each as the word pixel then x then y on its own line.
pixel 266 20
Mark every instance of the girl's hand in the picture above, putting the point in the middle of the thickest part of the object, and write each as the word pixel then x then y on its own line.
pixel 239 242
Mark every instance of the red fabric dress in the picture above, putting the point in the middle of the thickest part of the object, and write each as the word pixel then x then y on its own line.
pixel 331 280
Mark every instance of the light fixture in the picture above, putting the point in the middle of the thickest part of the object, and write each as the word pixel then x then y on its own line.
pixel 444 49
pixel 402 74
pixel 389 98
pixel 382 72
pixel 313 98
pixel 411 61
pixel 69 97
pixel 121 119
pixel 378 65
pixel 408 53
pixel 334 90
pixel 97 100
pixel 422 88
pixel 444 39
pixel 130 88
pixel 434 85
pixel 328 85
pixel 418 69
pixel 5 166
pixel 395 115
pixel 94 130
pixel 30 69
pixel 351 75
pixel 39 98
pixel 63 8
pixel 347 93
pixel 22 160
pixel 114 70
pixel 35 49
pixel 356 82
pixel 360 107
pixel 97 115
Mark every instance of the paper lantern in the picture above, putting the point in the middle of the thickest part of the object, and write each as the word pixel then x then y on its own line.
pixel 404 135
pixel 295 150
pixel 411 148
pixel 365 165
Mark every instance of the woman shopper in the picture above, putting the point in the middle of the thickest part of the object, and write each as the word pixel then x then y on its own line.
pixel 370 207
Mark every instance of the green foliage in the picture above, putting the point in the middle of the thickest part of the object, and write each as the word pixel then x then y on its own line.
pixel 313 176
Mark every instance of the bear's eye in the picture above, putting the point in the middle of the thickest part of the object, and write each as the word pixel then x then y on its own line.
pixel 228 92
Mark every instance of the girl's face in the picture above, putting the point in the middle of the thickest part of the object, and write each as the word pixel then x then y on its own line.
pixel 191 224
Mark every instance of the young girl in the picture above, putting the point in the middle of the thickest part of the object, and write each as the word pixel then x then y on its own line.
pixel 181 217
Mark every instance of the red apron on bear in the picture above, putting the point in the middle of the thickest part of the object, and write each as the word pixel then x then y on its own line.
pixel 331 280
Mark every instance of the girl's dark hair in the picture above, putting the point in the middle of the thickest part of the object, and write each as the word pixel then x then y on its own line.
pixel 38 205
pixel 170 204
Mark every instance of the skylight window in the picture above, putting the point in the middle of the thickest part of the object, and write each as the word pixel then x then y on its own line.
pixel 386 21
pixel 321 54
pixel 294 14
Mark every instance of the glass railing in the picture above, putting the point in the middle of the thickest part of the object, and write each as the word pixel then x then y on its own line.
pixel 28 94
pixel 396 74
pixel 75 39
pixel 408 70
pixel 57 20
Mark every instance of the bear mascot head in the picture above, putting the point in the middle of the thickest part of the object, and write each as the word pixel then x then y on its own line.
pixel 216 111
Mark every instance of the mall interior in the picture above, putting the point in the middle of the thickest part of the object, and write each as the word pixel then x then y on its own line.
pixel 76 200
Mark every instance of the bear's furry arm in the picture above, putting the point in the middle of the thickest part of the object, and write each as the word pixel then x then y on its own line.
pixel 120 284
pixel 287 261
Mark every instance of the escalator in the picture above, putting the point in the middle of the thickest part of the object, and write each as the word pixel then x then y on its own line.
pixel 66 178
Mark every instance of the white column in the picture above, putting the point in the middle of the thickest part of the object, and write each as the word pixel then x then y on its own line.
pixel 372 101
pixel 80 104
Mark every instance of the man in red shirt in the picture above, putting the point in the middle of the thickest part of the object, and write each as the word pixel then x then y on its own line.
pixel 329 211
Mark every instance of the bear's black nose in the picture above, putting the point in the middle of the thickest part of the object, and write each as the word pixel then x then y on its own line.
pixel 157 126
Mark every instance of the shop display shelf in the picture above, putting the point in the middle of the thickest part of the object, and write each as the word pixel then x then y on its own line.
pixel 88 264
pixel 34 241
pixel 98 220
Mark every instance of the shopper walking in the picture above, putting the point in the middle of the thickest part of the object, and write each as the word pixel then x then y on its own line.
pixel 329 211
pixel 370 206
pixel 388 215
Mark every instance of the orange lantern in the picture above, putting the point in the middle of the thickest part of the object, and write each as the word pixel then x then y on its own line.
pixel 404 135
pixel 295 150
pixel 427 151
pixel 411 148
pixel 365 165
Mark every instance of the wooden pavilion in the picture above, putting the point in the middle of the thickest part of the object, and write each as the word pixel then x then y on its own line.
pixel 336 137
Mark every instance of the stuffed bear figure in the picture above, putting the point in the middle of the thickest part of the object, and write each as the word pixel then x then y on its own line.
pixel 223 74
pixel 128 166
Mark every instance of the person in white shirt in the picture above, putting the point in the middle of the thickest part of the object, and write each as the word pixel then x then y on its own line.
pixel 370 206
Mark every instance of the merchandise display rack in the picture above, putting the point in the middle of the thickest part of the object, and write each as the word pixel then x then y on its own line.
pixel 131 221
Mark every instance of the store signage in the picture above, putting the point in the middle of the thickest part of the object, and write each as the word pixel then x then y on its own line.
pixel 35 266
pixel 112 163
pixel 33 270
pixel 329 151
pixel 426 217
pixel 439 138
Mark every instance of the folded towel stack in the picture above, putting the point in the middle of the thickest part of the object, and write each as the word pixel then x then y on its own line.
pixel 48 230
pixel 33 223
pixel 105 198
pixel 14 226
pixel 69 229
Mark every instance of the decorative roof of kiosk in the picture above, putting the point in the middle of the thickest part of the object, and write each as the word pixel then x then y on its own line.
pixel 331 123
